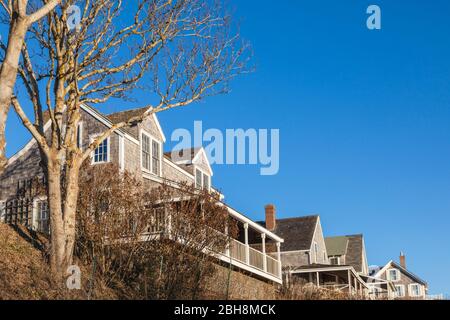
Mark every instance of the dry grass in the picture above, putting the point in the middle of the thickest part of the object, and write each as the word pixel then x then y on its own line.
pixel 311 292
pixel 24 271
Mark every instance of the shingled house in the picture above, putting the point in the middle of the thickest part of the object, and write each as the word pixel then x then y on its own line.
pixel 137 149
pixel 406 284
pixel 305 258
pixel 348 250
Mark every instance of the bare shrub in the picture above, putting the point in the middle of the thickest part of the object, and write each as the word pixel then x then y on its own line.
pixel 157 244
pixel 300 290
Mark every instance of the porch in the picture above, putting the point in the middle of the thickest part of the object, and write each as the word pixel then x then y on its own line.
pixel 380 288
pixel 254 249
pixel 342 278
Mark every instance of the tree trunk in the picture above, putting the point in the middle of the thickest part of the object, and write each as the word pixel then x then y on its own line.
pixel 58 238
pixel 63 208
pixel 70 209
pixel 8 76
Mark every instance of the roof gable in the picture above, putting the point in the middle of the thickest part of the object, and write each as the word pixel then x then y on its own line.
pixel 355 252
pixel 152 121
pixel 404 271
pixel 298 233
pixel 186 158
pixel 336 246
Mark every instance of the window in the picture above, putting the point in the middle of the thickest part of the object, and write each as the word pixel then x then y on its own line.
pixel 42 219
pixel 316 251
pixel 415 290
pixel 400 290
pixel 146 152
pixel 80 135
pixel 101 154
pixel 335 261
pixel 150 154
pixel 393 275
pixel 205 181
pixel 2 211
pixel 198 179
pixel 155 157
pixel 202 180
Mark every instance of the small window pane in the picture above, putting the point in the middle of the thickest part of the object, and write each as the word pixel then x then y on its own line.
pixel 206 182
pixel 334 260
pixel 198 179
pixel 79 136
pixel 145 152
pixel 415 288
pixel 42 217
pixel 155 157
pixel 101 153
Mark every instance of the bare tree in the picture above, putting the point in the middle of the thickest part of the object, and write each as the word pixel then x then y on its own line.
pixel 149 245
pixel 19 22
pixel 185 50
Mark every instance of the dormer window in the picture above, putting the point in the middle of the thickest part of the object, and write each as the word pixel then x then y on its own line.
pixel 393 275
pixel 202 180
pixel 150 154
pixel 335 261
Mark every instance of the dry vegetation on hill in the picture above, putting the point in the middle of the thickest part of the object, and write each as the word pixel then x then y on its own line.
pixel 24 271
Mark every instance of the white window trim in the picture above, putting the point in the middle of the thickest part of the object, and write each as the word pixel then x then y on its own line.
pixel 80 135
pixel 35 208
pixel 121 153
pixel 388 274
pixel 2 210
pixel 316 251
pixel 396 292
pixel 411 291
pixel 204 173
pixel 152 138
pixel 335 257
pixel 108 155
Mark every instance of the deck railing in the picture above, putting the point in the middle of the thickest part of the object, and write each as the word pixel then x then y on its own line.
pixel 236 249
pixel 256 258
pixel 273 266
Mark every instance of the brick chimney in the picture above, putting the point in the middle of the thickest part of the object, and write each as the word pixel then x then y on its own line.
pixel 270 217
pixel 402 260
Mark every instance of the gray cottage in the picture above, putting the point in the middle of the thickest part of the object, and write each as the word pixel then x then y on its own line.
pixel 348 250
pixel 138 149
pixel 305 258
pixel 406 284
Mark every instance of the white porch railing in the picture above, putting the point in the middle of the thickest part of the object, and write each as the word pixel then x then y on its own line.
pixel 273 266
pixel 236 250
pixel 256 258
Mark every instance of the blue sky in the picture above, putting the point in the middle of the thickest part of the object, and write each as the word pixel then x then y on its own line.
pixel 363 118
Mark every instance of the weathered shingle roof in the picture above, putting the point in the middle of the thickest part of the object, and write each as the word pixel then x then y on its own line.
pixel 336 246
pixel 352 246
pixel 355 252
pixel 121 116
pixel 297 232
pixel 186 154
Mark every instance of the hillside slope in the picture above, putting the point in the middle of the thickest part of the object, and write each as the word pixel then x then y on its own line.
pixel 24 272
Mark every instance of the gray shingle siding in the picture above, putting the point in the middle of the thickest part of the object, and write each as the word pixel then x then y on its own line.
pixel 27 165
